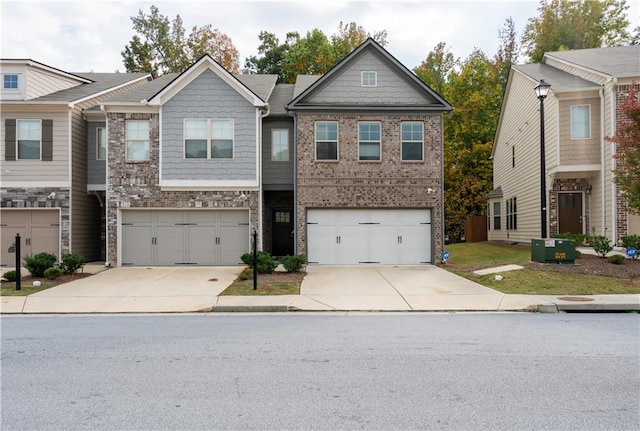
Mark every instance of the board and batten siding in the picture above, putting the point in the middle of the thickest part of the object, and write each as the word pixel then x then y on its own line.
pixel 25 171
pixel 208 96
pixel 40 83
pixel 391 88
pixel 276 175
pixel 521 129
pixel 580 151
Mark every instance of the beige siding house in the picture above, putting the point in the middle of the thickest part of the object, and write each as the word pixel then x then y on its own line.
pixel 582 109
pixel 43 152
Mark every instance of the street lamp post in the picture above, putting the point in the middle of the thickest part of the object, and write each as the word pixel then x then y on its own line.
pixel 542 89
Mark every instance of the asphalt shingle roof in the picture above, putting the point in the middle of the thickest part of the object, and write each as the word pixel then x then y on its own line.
pixel 281 95
pixel 561 82
pixel 261 85
pixel 619 61
pixel 143 92
pixel 101 82
pixel 303 82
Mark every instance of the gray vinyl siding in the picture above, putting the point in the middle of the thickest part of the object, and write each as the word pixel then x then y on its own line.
pixel 97 170
pixel 208 96
pixel 391 89
pixel 276 175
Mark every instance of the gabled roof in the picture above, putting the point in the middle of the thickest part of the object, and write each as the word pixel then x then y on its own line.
pixel 99 83
pixel 261 85
pixel 281 95
pixel 561 82
pixel 618 61
pixel 303 82
pixel 42 66
pixel 439 104
pixel 143 92
pixel 495 193
pixel 206 63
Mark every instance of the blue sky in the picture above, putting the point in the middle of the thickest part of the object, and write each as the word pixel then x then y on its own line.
pixel 89 35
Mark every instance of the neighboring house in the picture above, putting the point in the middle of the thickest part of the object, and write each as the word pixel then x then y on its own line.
pixel 44 195
pixel 346 168
pixel 582 109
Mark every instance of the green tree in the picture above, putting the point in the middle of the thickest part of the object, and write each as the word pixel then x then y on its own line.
pixel 575 24
pixel 507 54
pixel 350 36
pixel 312 54
pixel 270 55
pixel 476 93
pixel 162 46
pixel 436 68
pixel 627 139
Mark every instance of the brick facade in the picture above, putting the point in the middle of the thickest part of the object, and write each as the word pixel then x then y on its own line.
pixel 576 185
pixel 136 184
pixel 350 183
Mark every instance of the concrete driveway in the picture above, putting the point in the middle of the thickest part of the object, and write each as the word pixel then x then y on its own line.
pixel 131 290
pixel 400 288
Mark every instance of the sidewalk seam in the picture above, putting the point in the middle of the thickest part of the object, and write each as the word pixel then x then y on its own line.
pixel 394 288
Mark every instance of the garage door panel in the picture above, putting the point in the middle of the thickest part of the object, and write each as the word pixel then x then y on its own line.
pixel 352 248
pixel 45 240
pixel 202 245
pixel 383 244
pixel 170 247
pixel 324 240
pixel 39 231
pixel 8 237
pixel 234 242
pixel 202 218
pixel 416 245
pixel 136 245
pixel 137 217
pixel 231 218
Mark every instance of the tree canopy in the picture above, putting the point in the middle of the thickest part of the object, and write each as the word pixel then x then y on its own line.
pixel 160 45
pixel 627 139
pixel 575 24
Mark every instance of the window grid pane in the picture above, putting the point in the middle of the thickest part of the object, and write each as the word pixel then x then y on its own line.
pixel 580 122
pixel 412 141
pixel 29 133
pixel 10 81
pixel 369 141
pixel 327 140
pixel 137 132
pixel 101 143
pixel 280 145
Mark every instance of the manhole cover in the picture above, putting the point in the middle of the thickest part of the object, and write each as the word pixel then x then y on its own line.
pixel 575 298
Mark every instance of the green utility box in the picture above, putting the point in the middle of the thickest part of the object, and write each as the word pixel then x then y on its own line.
pixel 553 250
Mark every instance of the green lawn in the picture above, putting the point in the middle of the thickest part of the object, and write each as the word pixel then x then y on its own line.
pixel 467 257
pixel 246 289
pixel 9 289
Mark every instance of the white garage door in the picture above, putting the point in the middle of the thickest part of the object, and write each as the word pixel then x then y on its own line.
pixel 379 236
pixel 196 237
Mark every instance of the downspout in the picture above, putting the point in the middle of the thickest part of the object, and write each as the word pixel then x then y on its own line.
pixel 106 191
pixel 261 115
pixel 439 258
pixel 614 192
pixel 602 161
pixel 70 161
pixel 295 186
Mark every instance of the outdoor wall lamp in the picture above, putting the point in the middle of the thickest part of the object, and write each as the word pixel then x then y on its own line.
pixel 542 90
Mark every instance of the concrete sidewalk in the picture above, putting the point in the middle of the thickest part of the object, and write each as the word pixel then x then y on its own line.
pixel 325 288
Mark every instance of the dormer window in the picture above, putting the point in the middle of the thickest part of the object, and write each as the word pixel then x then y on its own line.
pixel 369 79
pixel 10 81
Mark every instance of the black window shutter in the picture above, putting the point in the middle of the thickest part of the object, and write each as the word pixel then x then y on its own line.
pixel 10 139
pixel 47 140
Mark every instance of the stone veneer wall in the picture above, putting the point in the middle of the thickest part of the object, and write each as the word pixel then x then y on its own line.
pixel 135 184
pixel 390 183
pixel 38 197
pixel 577 185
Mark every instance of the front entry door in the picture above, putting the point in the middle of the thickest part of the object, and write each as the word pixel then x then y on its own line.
pixel 570 213
pixel 282 225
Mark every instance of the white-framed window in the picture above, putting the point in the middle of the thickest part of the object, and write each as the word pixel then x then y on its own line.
pixel 369 141
pixel 206 138
pixel 327 140
pixel 512 214
pixel 412 141
pixel 368 78
pixel 137 138
pixel 496 215
pixel 101 143
pixel 280 145
pixel 10 81
pixel 580 122
pixel 29 139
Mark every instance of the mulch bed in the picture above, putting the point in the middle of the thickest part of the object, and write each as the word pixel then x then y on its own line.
pixel 593 265
pixel 276 277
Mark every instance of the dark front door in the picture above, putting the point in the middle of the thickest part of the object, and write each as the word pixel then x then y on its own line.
pixel 282 232
pixel 570 213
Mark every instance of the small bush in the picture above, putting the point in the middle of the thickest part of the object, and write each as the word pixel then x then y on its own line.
pixel 10 275
pixel 629 241
pixel 266 263
pixel 576 238
pixel 601 245
pixel 39 263
pixel 616 259
pixel 246 274
pixel 71 263
pixel 294 263
pixel 52 273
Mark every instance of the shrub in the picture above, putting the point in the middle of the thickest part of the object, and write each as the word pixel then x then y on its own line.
pixel 39 263
pixel 294 263
pixel 601 245
pixel 246 274
pixel 10 275
pixel 266 263
pixel 52 273
pixel 629 241
pixel 576 238
pixel 71 263
pixel 616 259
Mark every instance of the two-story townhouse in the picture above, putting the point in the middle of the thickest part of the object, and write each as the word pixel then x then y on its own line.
pixel 183 170
pixel 43 156
pixel 369 163
pixel 582 109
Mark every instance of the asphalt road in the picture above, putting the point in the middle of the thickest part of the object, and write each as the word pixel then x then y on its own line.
pixel 515 371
